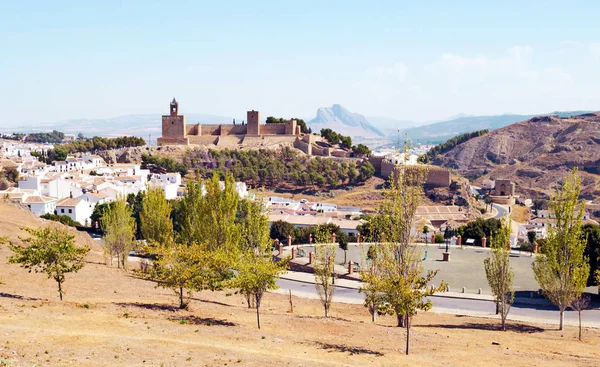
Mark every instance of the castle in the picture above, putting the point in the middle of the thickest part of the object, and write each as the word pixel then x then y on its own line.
pixel 176 132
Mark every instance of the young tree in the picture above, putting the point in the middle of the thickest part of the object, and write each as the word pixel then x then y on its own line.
pixel 499 273
pixel 256 274
pixel 155 217
pixel 561 269
pixel 184 268
pixel 119 231
pixel 324 271
pixel 50 250
pixel 531 237
pixel 579 304
pixel 400 279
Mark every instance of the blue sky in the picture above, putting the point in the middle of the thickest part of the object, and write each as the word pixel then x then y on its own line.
pixel 417 60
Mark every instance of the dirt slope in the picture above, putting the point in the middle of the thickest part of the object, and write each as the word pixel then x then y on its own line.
pixel 112 318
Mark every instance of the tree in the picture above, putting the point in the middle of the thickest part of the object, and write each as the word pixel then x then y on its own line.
pixel 400 283
pixel 183 268
pixel 498 272
pixel 155 217
pixel 50 250
pixel 579 304
pixel 531 236
pixel 425 232
pixel 119 231
pixel 281 230
pixel 366 171
pixel 11 174
pixel 361 150
pixel 561 269
pixel 324 271
pixel 256 274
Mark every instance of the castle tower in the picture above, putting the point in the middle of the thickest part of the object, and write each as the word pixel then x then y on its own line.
pixel 174 130
pixel 253 123
pixel 174 107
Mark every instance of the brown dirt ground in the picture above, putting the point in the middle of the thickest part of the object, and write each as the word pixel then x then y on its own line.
pixel 130 322
pixel 520 213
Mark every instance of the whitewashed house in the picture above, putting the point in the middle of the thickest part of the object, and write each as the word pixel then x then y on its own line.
pixel 40 205
pixel 78 209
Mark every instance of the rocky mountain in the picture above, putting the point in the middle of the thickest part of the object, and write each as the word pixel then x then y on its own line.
pixel 535 153
pixel 344 122
pixel 444 130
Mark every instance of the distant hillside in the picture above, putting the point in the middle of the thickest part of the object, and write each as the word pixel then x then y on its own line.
pixel 344 122
pixel 128 125
pixel 535 153
pixel 444 130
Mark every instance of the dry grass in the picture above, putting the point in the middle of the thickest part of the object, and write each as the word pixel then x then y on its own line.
pixel 110 317
pixel 520 213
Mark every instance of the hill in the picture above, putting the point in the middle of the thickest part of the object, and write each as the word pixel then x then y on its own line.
pixel 343 121
pixel 444 130
pixel 535 153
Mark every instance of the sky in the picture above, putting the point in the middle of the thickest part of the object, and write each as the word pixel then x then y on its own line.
pixel 413 60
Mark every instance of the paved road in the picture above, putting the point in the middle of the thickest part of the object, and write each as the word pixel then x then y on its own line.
pixel 542 314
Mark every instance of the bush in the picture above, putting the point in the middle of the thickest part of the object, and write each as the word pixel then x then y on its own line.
pixel 64 219
pixel 439 238
pixel 526 246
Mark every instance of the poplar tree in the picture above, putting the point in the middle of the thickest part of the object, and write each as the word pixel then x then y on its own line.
pixel 155 217
pixel 119 229
pixel 561 269
pixel 398 280
pixel 499 273
pixel 49 250
pixel 324 273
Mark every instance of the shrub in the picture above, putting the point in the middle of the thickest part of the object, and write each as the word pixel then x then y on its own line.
pixel 64 219
pixel 439 238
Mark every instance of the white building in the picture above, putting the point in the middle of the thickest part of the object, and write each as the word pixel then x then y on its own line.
pixel 78 209
pixel 40 205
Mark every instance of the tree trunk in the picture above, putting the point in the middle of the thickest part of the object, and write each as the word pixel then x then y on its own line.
pixel 291 303
pixel 181 305
pixel 60 292
pixel 373 311
pixel 579 312
pixel 257 311
pixel 401 320
pixel 562 319
pixel 407 333
pixel 326 309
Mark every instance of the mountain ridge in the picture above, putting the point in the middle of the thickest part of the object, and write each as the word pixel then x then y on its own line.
pixel 343 121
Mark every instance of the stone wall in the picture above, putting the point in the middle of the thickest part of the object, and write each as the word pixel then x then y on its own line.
pixel 339 153
pixel 503 188
pixel 376 162
pixel 210 130
pixel 173 141
pixel 233 130
pixel 438 177
pixel 193 129
pixel 303 146
pixel 272 129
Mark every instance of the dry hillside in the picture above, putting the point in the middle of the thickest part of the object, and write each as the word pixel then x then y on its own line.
pixel 112 318
pixel 535 153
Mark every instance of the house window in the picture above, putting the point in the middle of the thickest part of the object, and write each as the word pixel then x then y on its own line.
pixel 70 211
pixel 62 210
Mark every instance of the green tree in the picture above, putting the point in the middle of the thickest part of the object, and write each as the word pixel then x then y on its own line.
pixel 399 281
pixel 183 268
pixel 366 171
pixel 281 230
pixel 155 217
pixel 561 269
pixel 531 236
pixel 256 274
pixel 119 231
pixel 361 150
pixel 324 270
pixel 498 272
pixel 49 250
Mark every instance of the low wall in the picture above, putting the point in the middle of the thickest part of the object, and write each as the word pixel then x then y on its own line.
pixel 203 140
pixel 339 153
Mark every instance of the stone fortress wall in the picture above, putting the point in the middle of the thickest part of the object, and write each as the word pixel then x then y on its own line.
pixel 176 132
pixel 436 176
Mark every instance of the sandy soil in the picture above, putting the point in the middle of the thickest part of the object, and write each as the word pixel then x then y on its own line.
pixel 110 317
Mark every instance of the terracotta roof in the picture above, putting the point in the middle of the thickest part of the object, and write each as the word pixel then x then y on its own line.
pixel 127 178
pixel 68 202
pixel 38 199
